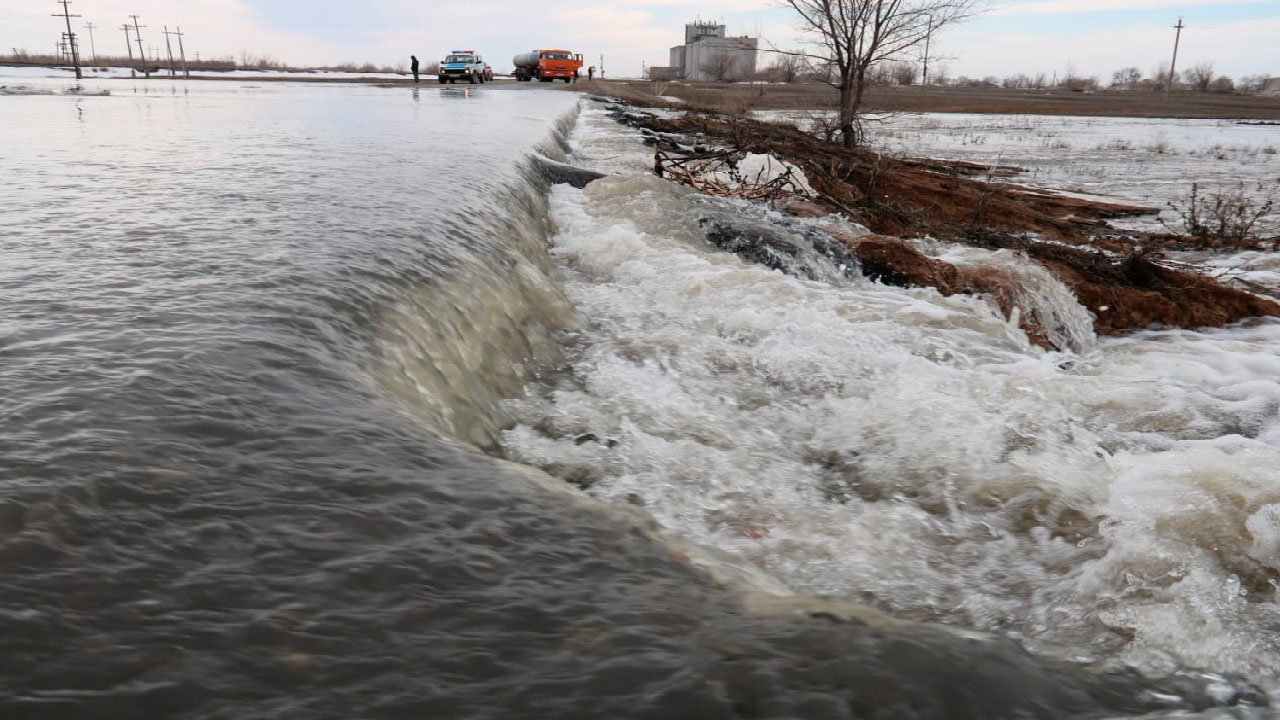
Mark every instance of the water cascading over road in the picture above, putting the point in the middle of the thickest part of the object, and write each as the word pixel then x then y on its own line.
pixel 269 353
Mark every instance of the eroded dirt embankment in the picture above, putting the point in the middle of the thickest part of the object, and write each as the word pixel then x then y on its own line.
pixel 1125 287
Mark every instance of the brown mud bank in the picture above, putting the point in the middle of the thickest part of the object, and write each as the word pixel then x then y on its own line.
pixel 802 96
pixel 1113 273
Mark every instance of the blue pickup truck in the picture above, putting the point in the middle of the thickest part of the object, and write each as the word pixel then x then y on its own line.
pixel 464 65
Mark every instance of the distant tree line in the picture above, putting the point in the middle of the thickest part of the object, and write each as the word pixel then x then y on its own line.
pixel 1200 78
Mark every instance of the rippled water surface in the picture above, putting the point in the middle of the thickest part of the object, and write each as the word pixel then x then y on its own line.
pixel 254 353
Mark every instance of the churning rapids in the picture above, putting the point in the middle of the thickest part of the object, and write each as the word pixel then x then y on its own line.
pixel 301 385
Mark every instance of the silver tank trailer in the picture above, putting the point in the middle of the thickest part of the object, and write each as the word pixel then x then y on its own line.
pixel 527 66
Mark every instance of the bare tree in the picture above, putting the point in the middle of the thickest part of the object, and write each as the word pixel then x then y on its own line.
pixel 1126 77
pixel 905 73
pixel 1223 84
pixel 1199 76
pixel 1161 75
pixel 854 35
pixel 721 66
pixel 788 68
pixel 1251 83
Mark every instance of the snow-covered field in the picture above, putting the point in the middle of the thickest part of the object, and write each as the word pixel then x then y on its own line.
pixel 1138 160
pixel 1145 161
pixel 1148 161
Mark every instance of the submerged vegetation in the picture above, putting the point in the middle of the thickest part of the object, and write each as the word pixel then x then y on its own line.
pixel 1230 218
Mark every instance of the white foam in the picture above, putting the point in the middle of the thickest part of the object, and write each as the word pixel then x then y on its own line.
pixel 912 450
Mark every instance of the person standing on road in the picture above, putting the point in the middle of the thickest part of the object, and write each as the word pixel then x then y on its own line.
pixel 413 65
pixel 591 73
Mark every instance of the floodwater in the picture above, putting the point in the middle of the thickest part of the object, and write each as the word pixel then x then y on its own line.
pixel 282 367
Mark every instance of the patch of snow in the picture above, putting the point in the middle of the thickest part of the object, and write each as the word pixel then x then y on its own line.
pixel 32 90
pixel 762 169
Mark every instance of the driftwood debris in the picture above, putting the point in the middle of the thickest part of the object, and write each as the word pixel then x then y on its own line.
pixel 719 173
pixel 1122 285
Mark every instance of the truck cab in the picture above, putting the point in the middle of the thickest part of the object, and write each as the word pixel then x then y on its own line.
pixel 547 65
pixel 464 65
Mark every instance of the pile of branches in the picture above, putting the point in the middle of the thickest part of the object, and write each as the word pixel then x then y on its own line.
pixel 718 173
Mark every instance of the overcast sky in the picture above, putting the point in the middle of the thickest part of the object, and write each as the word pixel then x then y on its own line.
pixel 1242 37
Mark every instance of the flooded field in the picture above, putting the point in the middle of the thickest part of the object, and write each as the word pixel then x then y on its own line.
pixel 321 402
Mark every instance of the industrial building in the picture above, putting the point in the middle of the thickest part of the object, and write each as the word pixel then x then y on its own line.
pixel 709 55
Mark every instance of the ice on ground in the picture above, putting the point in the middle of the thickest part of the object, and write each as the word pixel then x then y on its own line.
pixel 24 90
pixel 32 90
pixel 762 169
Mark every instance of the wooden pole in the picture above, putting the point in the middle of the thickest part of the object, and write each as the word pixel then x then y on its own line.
pixel 183 54
pixel 142 54
pixel 133 71
pixel 168 46
pixel 71 37
pixel 92 48
pixel 928 36
pixel 1173 71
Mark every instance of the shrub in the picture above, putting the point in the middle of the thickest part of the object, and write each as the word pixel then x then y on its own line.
pixel 1227 219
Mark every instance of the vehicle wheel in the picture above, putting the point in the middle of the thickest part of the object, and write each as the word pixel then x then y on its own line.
pixel 442 80
pixel 482 81
pixel 566 80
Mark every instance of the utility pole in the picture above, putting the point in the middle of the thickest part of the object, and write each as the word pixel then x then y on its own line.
pixel 183 54
pixel 1173 71
pixel 928 35
pixel 142 54
pixel 92 48
pixel 168 46
pixel 133 72
pixel 602 67
pixel 66 15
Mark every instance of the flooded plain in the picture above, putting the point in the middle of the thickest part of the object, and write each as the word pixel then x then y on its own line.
pixel 284 365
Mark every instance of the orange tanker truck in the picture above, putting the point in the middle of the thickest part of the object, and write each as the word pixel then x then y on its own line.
pixel 547 65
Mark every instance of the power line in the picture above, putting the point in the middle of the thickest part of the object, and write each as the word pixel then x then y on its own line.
pixel 66 15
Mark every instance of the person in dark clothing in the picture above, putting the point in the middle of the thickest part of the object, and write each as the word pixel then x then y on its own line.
pixel 591 73
pixel 413 65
